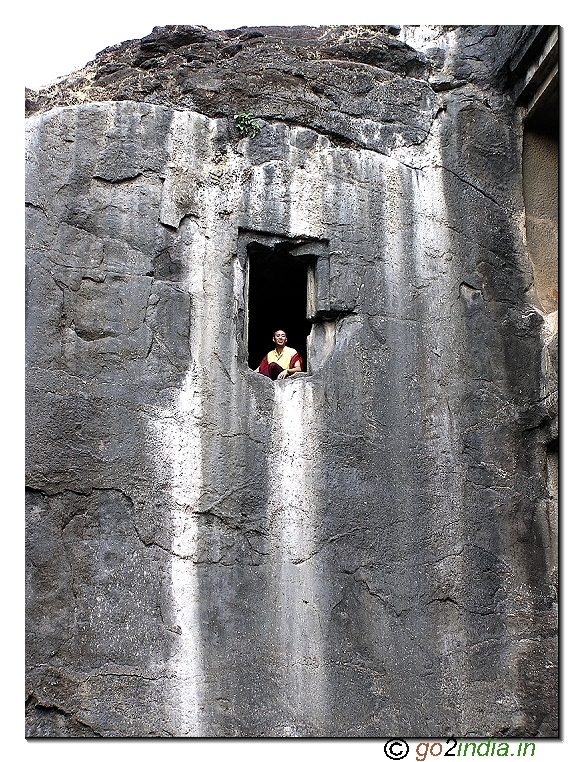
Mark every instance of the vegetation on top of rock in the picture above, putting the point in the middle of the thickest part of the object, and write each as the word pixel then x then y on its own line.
pixel 247 124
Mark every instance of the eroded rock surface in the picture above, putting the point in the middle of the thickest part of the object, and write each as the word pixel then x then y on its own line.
pixel 366 550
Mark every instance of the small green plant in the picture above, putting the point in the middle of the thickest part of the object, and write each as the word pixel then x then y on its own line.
pixel 247 124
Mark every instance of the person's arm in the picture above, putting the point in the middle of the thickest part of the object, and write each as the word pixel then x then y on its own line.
pixel 296 368
pixel 285 373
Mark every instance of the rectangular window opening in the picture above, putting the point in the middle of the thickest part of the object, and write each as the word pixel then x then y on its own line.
pixel 277 299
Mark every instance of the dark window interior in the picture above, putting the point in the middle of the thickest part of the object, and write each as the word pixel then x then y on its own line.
pixel 278 285
pixel 544 117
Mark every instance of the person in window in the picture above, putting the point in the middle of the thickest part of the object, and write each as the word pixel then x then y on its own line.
pixel 281 362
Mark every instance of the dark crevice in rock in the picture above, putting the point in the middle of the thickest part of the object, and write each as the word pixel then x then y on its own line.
pixel 471 185
pixel 118 181
pixel 31 205
pixel 49 720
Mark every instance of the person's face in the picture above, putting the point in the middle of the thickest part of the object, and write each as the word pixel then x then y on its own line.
pixel 280 338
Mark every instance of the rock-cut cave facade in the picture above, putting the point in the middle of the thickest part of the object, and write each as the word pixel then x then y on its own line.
pixel 369 548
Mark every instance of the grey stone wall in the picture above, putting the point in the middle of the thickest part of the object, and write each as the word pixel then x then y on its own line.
pixel 364 550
